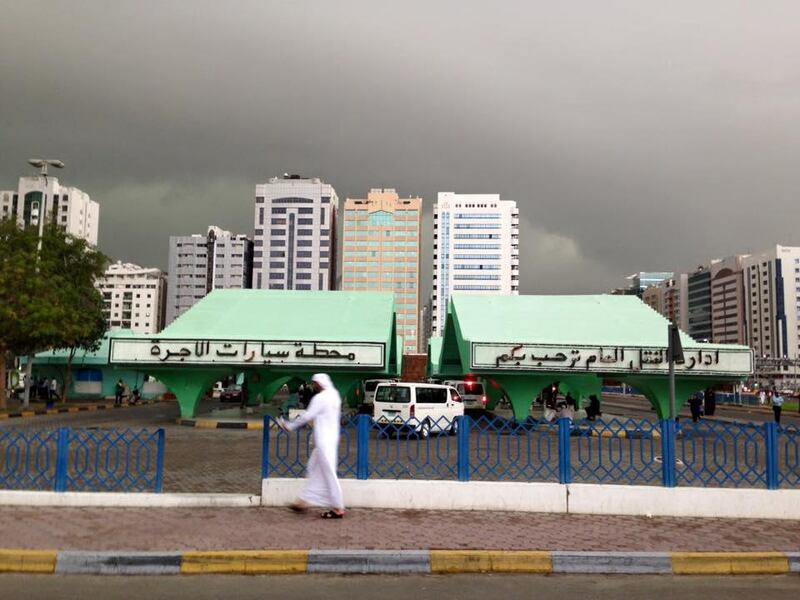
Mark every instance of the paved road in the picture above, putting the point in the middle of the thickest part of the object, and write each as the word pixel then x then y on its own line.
pixel 392 587
pixel 639 407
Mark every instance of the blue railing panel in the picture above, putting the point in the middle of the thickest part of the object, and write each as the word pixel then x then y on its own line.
pixel 616 451
pixel 717 454
pixel 27 459
pixel 788 450
pixel 415 449
pixel 110 460
pixel 491 448
pixel 289 451
pixel 86 460
pixel 506 450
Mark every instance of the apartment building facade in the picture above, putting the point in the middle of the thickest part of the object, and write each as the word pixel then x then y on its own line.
pixel 46 199
pixel 200 263
pixel 381 238
pixel 295 234
pixel 771 282
pixel 475 249
pixel 133 297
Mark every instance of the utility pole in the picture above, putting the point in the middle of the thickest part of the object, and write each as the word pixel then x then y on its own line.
pixel 674 356
pixel 41 164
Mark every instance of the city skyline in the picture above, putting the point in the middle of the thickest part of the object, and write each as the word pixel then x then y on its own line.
pixel 642 148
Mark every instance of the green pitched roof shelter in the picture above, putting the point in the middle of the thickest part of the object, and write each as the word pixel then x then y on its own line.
pixel 524 343
pixel 274 337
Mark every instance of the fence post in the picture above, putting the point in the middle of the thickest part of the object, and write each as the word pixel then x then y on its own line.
pixel 771 439
pixel 668 474
pixel 564 451
pixel 462 446
pixel 362 446
pixel 160 462
pixel 62 459
pixel 265 447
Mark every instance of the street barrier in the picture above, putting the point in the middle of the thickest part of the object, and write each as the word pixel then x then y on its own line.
pixel 490 448
pixel 96 460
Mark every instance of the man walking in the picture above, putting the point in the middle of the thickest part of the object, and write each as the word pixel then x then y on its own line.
pixel 119 390
pixel 777 405
pixel 322 484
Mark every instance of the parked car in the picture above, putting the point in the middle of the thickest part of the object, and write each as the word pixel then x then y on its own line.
pixel 472 393
pixel 418 407
pixel 232 393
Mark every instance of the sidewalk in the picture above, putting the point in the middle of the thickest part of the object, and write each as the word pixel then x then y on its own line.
pixel 274 540
pixel 15 410
pixel 276 528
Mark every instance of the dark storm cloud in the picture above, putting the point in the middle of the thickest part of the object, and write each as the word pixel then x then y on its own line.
pixel 634 135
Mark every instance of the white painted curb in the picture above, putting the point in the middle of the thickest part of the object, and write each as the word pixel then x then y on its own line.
pixel 683 501
pixel 591 499
pixel 127 500
pixel 431 494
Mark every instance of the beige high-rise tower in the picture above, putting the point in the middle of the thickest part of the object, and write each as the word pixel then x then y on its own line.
pixel 380 252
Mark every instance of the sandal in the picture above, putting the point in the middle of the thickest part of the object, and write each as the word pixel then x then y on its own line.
pixel 331 514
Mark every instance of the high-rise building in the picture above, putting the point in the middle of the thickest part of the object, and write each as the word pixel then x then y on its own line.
pixel 699 302
pixel 295 234
pixel 642 280
pixel 45 198
pixel 201 263
pixel 666 297
pixel 381 251
pixel 133 297
pixel 727 301
pixel 772 298
pixel 475 249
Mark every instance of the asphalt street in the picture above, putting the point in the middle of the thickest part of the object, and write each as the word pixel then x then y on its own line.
pixel 403 587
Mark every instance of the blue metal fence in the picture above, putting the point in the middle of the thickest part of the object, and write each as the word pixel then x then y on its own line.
pixel 490 448
pixel 66 459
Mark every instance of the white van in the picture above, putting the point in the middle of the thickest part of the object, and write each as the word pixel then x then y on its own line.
pixel 370 385
pixel 472 393
pixel 422 407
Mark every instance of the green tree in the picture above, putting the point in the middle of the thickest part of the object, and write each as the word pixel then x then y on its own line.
pixel 47 297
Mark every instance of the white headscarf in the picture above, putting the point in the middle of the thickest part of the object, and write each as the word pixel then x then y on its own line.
pixel 323 380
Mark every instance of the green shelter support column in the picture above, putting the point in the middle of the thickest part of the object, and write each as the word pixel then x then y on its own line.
pixel 267 385
pixel 656 390
pixel 522 391
pixel 188 387
pixel 581 386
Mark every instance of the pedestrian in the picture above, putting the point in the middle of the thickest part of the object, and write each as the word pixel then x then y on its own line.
pixel 709 402
pixel 119 390
pixel 322 484
pixel 762 397
pixel 695 404
pixel 777 405
pixel 135 396
pixel 53 389
pixel 593 410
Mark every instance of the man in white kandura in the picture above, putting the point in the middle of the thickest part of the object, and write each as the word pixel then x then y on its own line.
pixel 322 485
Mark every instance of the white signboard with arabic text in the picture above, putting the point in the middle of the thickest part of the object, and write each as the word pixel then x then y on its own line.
pixel 247 353
pixel 601 359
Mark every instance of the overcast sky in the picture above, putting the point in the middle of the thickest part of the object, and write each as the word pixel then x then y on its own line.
pixel 635 135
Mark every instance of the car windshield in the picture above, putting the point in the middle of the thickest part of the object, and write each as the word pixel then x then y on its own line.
pixel 234 388
pixel 392 393
pixel 370 386
pixel 470 388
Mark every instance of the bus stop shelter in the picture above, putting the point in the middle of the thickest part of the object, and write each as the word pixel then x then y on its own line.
pixel 521 344
pixel 274 338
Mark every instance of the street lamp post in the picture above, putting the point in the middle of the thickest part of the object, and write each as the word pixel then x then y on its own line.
pixel 42 164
